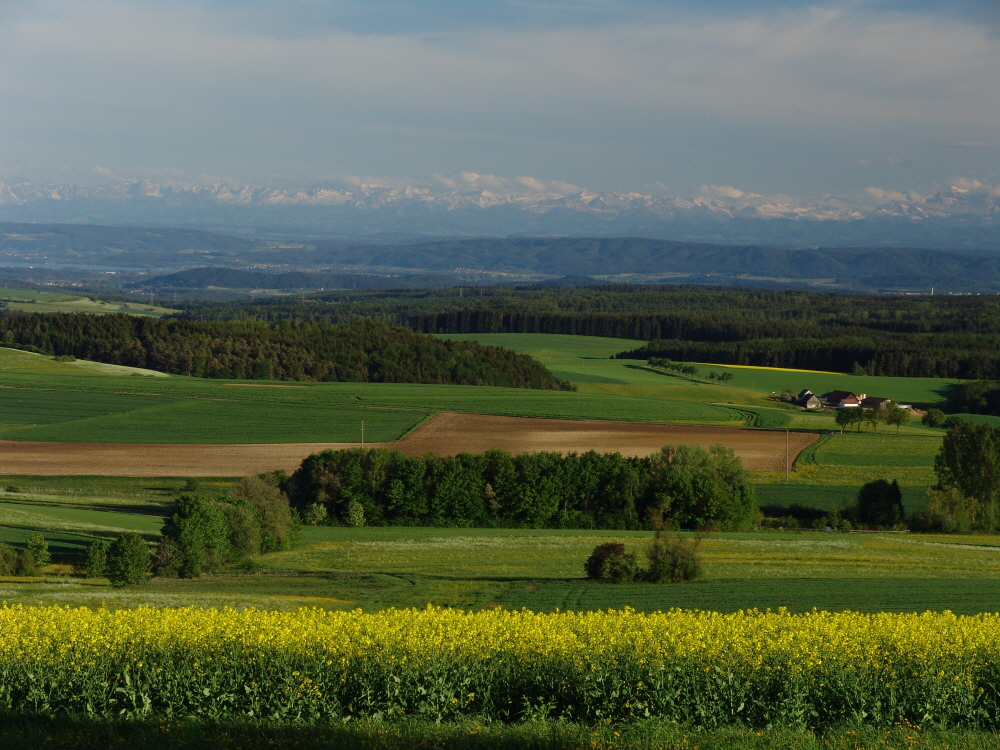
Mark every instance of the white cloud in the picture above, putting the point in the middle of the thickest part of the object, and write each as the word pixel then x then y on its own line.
pixel 885 196
pixel 969 185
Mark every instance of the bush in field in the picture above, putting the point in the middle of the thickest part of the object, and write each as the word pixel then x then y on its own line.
pixel 15 562
pixel 880 503
pixel 611 562
pixel 95 561
pixel 128 560
pixel 39 549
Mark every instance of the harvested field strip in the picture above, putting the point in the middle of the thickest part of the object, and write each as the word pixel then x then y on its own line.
pixel 444 434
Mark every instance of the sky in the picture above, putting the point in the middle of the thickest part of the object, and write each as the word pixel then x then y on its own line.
pixel 772 97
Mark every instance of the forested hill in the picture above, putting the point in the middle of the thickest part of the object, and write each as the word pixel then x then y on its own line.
pixel 234 278
pixel 850 267
pixel 364 350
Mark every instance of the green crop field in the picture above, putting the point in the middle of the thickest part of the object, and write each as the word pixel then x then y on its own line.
pixel 74 407
pixel 578 356
pixel 30 300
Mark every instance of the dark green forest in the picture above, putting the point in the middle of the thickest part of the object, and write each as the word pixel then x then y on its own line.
pixel 364 350
pixel 916 336
pixel 693 486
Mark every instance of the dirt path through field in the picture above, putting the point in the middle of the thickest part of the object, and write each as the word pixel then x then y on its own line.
pixel 444 434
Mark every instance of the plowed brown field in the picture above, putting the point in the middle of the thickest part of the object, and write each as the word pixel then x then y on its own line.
pixel 444 434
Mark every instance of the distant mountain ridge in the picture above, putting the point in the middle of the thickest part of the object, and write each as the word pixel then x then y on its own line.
pixel 210 259
pixel 956 217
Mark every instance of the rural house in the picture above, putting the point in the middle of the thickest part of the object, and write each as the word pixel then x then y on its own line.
pixel 873 402
pixel 842 399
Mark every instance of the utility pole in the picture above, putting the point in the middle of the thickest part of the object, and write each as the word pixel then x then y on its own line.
pixel 786 455
pixel 362 433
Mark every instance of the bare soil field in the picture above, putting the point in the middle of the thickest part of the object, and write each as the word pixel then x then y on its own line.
pixel 444 434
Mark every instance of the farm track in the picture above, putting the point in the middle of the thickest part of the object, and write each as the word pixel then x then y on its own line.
pixel 444 434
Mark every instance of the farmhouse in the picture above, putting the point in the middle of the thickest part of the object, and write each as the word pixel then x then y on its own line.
pixel 842 399
pixel 808 400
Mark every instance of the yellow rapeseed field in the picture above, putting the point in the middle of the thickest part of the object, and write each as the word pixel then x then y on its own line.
pixel 817 669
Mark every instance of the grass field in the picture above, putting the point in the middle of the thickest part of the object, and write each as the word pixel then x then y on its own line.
pixel 586 357
pixel 376 568
pixel 30 300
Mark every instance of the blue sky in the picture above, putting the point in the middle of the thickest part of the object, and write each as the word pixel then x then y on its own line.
pixel 795 98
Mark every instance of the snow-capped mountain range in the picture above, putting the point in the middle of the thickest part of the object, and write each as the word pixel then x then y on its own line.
pixel 717 213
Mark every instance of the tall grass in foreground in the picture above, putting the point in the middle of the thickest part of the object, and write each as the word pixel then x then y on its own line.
pixel 694 668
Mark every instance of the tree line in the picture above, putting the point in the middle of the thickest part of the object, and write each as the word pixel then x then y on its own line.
pixel 876 334
pixel 692 486
pixel 360 351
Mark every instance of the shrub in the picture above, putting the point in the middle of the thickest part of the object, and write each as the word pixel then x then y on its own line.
pixel 594 564
pixel 128 560
pixel 355 513
pixel 95 562
pixel 39 549
pixel 13 488
pixel 671 558
pixel 315 514
pixel 610 562
pixel 933 418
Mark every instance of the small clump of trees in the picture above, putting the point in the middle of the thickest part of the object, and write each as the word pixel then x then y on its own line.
pixel 25 562
pixel 205 533
pixel 669 558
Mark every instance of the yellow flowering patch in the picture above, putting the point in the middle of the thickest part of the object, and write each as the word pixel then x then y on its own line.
pixel 753 668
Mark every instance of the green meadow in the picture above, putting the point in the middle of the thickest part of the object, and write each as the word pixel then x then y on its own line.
pixel 377 568
pixel 31 300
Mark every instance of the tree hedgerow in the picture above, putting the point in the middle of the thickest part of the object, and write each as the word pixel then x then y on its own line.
pixel 539 490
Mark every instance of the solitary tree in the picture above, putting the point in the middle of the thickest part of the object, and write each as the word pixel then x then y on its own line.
pixel 898 417
pixel 844 418
pixel 95 564
pixel 880 503
pixel 129 560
